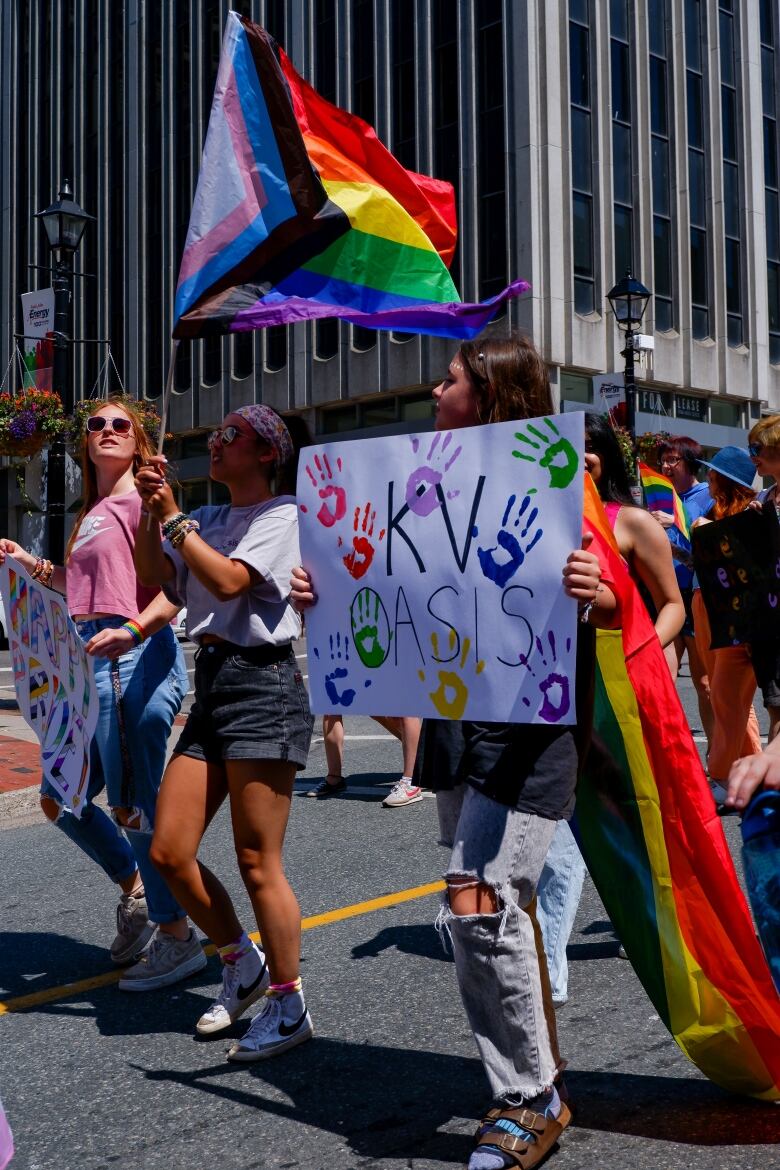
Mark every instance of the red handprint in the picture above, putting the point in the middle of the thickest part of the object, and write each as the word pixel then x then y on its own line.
pixel 358 562
pixel 331 494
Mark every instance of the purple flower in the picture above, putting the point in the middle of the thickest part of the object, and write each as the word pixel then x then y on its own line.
pixel 23 426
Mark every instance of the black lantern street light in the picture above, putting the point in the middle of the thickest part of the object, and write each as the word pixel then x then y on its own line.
pixel 64 222
pixel 629 299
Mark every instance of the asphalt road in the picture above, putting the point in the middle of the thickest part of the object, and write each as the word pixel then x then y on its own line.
pixel 92 1077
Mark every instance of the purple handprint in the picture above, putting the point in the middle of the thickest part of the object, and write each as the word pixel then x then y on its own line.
pixel 421 495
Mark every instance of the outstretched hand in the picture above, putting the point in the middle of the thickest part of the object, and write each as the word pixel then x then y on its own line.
pixel 750 773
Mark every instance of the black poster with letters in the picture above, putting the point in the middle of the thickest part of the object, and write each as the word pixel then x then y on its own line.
pixel 737 561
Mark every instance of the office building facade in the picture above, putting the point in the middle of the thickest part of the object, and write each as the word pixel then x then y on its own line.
pixel 583 137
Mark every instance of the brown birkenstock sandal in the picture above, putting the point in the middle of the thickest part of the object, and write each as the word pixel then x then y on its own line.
pixel 524 1153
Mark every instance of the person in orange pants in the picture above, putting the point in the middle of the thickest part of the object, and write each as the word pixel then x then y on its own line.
pixel 732 681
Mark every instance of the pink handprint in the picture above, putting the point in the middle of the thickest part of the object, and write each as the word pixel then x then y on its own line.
pixel 331 493
pixel 358 562
pixel 421 495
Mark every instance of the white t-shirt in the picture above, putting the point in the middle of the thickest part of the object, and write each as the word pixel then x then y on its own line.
pixel 262 536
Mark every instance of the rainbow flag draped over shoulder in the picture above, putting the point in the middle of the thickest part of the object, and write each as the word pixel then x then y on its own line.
pixel 300 212
pixel 661 496
pixel 655 848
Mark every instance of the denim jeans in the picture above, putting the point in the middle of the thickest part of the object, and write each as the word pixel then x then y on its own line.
pixel 153 682
pixel 558 897
pixel 499 961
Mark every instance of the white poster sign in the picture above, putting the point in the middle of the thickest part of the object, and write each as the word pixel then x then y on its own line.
pixel 37 343
pixel 437 562
pixel 55 680
pixel 609 393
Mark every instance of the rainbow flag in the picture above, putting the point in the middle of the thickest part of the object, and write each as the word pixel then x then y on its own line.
pixel 300 212
pixel 660 496
pixel 655 848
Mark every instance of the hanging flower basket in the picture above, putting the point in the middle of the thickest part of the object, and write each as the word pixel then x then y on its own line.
pixel 29 421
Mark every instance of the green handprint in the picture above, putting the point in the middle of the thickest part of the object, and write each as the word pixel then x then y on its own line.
pixel 370 627
pixel 560 458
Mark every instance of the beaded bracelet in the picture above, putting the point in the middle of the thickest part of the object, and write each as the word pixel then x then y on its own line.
pixel 169 525
pixel 136 630
pixel 183 528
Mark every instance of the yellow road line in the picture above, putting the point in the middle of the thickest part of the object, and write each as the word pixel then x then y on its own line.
pixel 68 990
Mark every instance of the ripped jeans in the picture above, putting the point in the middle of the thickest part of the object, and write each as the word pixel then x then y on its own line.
pixel 153 681
pixel 499 958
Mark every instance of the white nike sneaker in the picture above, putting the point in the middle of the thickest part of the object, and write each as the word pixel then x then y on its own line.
pixel 242 983
pixel 403 792
pixel 282 1023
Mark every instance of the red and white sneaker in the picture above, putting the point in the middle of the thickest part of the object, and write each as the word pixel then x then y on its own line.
pixel 404 792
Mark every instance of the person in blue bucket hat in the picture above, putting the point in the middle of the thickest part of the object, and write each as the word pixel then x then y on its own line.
pixel 734 463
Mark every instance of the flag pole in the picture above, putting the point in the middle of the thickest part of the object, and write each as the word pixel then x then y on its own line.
pixel 164 409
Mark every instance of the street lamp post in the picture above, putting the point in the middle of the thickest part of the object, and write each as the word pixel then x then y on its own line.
pixel 64 222
pixel 629 299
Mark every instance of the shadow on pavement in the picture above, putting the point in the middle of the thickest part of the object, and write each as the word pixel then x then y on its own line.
pixel 370 1096
pixel 420 939
pixel 689 1111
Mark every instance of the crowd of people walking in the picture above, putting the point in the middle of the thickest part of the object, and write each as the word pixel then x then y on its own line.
pixel 504 792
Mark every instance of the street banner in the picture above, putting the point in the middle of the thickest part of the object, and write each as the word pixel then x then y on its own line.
pixel 54 679
pixel 437 559
pixel 37 342
pixel 609 392
pixel 737 561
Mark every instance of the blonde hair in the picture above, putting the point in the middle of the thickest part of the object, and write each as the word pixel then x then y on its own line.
pixel 143 451
pixel 766 431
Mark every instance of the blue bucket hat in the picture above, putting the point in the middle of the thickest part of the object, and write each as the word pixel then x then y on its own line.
pixel 734 463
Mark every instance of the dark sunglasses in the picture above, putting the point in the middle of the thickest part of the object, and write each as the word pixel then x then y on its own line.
pixel 224 437
pixel 98 422
pixel 755 449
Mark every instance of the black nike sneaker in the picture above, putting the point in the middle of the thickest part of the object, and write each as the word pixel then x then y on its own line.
pixel 282 1023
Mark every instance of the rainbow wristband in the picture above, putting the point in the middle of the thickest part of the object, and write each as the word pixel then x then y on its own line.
pixel 136 630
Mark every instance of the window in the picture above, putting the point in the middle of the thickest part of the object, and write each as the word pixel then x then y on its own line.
pixel 363 69
pixel 771 193
pixel 697 167
pixel 403 82
pixel 662 156
pixel 446 144
pixel 731 172
pixel 182 81
pixel 491 148
pixel 622 154
pixel 581 157
pixel 153 172
pixel 326 333
pixel 211 347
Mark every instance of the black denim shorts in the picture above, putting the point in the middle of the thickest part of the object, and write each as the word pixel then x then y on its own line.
pixel 250 704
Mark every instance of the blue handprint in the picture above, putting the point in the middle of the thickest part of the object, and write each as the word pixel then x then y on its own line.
pixel 527 517
pixel 339 673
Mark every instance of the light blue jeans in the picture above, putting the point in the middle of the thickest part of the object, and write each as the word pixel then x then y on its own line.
pixel 498 957
pixel 153 682
pixel 558 897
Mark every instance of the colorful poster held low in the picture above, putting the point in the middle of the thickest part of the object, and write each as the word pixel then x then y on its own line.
pixel 437 562
pixel 54 678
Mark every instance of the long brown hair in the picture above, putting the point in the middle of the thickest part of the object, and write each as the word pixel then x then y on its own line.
pixel 143 451
pixel 509 377
pixel 728 496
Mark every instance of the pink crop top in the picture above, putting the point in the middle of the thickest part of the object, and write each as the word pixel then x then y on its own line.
pixel 100 573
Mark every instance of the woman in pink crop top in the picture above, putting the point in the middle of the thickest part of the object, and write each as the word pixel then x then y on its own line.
pixel 141 681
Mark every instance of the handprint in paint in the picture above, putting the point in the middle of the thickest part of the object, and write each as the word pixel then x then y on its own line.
pixel 338 693
pixel 420 494
pixel 554 686
pixel 358 561
pixel 371 632
pixel 516 547
pixel 333 496
pixel 451 695
pixel 559 457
